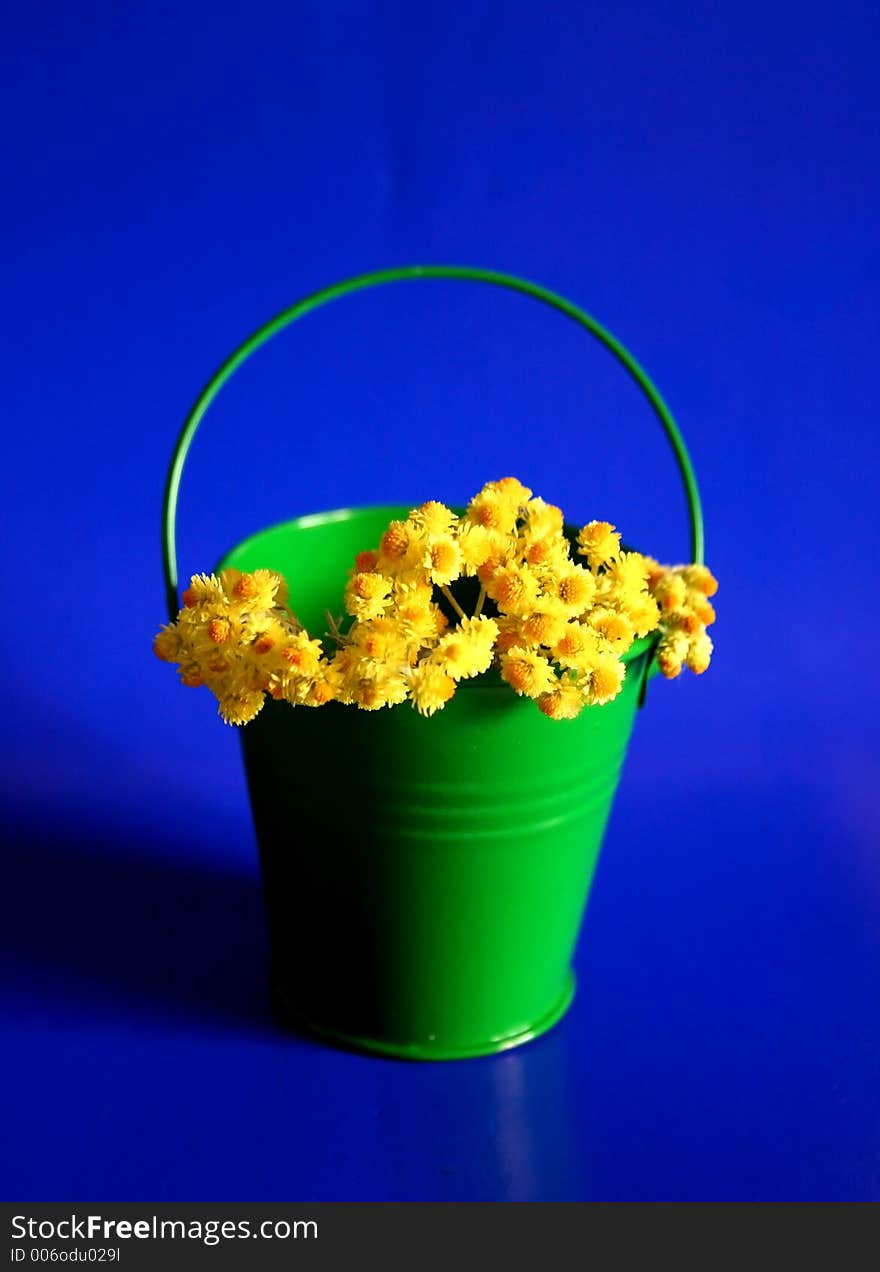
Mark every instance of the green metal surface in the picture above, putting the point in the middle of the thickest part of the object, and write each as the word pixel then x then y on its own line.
pixel 425 879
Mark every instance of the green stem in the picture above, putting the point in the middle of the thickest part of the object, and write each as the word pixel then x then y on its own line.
pixel 335 634
pixel 453 602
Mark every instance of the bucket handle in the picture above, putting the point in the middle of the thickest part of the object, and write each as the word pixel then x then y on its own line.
pixel 402 274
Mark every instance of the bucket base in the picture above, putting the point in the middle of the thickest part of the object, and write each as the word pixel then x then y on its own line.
pixel 427 1050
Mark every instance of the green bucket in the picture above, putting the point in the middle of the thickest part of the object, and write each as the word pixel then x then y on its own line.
pixel 425 879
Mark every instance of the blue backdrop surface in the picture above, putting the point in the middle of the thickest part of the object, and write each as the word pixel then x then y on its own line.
pixel 704 179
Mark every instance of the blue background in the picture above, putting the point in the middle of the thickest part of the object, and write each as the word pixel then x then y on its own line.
pixel 702 178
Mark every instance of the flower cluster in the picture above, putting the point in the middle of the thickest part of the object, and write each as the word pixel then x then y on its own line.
pixel 555 614
pixel 682 593
pixel 236 636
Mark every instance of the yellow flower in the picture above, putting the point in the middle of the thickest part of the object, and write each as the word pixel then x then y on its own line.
pixel 544 628
pixel 613 626
pixel 323 689
pixel 343 670
pixel 604 680
pixel 699 654
pixel 704 611
pixel 493 510
pixel 514 588
pixel 367 595
pixel 670 591
pixel 204 589
pixel 418 619
pixel 300 655
pixel 366 562
pixel 628 574
pixel 411 592
pixel 512 490
pixel 701 578
pixel 394 548
pixel 442 561
pixel 433 519
pixel 542 521
pixel 577 648
pixel 510 634
pixel 476 545
pixel 575 589
pixel 430 688
pixel 527 672
pixel 240 708
pixel 656 572
pixel 218 630
pixel 671 652
pixel 599 543
pixel 574 643
pixel 167 644
pixel 205 627
pixel 497 559
pixel 270 639
pixel 253 591
pixel 385 689
pixel 381 640
pixel 565 702
pixel 221 669
pixel 548 556
pixel 467 650
pixel 642 612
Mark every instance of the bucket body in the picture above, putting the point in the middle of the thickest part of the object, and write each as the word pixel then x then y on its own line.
pixel 425 879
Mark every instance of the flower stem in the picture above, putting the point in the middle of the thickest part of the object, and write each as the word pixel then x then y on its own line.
pixel 335 634
pixel 480 602
pixel 453 602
